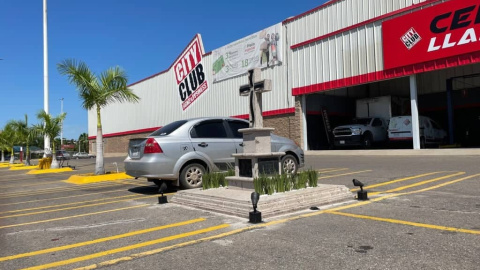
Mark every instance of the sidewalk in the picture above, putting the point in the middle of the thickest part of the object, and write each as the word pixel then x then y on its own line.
pixel 398 152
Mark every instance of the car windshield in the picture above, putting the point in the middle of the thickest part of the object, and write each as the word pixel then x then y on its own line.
pixel 362 121
pixel 165 130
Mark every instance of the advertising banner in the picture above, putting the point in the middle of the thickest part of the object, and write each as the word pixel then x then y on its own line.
pixel 262 49
pixel 444 30
pixel 190 73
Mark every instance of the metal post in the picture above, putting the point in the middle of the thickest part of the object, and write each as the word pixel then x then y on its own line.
pixel 45 74
pixel 414 111
pixel 61 128
pixel 451 138
pixel 304 123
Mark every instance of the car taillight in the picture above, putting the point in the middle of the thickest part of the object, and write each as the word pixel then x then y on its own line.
pixel 151 146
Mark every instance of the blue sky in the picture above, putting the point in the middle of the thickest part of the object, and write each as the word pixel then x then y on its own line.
pixel 142 36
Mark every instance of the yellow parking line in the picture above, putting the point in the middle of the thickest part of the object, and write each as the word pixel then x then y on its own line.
pixel 130 247
pixel 60 189
pixel 67 197
pixel 33 184
pixel 44 171
pixel 396 181
pixel 81 206
pixel 100 240
pixel 423 182
pixel 75 216
pixel 333 170
pixel 403 222
pixel 336 175
pixel 74 203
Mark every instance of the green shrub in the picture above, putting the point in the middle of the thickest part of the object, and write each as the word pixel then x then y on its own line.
pixel 216 179
pixel 312 178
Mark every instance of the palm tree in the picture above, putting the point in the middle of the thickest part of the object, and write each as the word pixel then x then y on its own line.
pixel 51 127
pixel 96 93
pixel 25 135
pixel 3 145
pixel 82 139
pixel 10 138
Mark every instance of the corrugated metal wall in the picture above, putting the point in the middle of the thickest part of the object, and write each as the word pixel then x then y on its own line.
pixel 354 52
pixel 160 102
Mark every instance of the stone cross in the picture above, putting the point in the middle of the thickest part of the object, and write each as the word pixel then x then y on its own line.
pixel 254 90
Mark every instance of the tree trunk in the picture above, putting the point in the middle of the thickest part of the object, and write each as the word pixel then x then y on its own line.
pixel 99 166
pixel 54 164
pixel 12 157
pixel 27 158
pixel 3 157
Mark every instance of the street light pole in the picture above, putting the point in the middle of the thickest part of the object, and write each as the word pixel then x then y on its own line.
pixel 61 128
pixel 45 74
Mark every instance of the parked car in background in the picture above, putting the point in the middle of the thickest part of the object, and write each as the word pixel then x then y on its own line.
pixel 62 154
pixel 362 132
pixel 431 133
pixel 184 150
pixel 79 155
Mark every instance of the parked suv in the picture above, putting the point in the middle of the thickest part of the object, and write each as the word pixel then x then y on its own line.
pixel 184 150
pixel 62 154
pixel 362 132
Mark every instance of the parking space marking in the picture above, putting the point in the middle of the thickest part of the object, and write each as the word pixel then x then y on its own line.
pixel 397 180
pixel 418 183
pixel 130 247
pixel 81 206
pixel 336 175
pixel 331 170
pixel 75 216
pixel 67 197
pixel 60 189
pixel 403 222
pixel 100 240
pixel 36 184
pixel 74 203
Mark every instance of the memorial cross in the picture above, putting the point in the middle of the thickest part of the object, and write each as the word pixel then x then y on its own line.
pixel 254 90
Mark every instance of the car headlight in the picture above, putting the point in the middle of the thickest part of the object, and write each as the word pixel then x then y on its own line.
pixel 356 131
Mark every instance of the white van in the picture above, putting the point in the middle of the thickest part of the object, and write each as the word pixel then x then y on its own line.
pixel 400 129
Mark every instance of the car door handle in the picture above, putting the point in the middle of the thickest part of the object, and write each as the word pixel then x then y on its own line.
pixel 203 144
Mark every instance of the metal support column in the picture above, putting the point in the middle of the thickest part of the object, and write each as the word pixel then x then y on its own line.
pixel 414 111
pixel 304 123
pixel 450 110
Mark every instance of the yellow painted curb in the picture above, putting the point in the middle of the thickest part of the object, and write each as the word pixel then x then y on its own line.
pixel 81 179
pixel 23 168
pixel 59 170
pixel 6 165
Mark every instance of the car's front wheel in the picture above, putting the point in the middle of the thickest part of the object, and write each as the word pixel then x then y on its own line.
pixel 191 175
pixel 289 164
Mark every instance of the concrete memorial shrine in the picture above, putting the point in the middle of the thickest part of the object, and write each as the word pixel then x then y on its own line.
pixel 257 157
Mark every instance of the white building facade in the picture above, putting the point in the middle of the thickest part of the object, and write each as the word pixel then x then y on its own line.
pixel 320 62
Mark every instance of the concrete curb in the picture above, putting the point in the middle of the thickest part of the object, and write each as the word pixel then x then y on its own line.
pixel 59 170
pixel 237 202
pixel 82 179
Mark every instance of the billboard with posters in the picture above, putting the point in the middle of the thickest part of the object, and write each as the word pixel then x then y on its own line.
pixel 190 73
pixel 262 49
pixel 444 30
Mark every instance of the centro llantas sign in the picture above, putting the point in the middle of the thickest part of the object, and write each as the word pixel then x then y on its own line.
pixel 190 73
pixel 441 31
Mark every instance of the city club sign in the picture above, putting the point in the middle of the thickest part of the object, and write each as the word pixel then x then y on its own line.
pixel 441 31
pixel 190 73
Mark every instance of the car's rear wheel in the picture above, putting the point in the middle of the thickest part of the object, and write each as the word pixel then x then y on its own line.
pixel 191 175
pixel 289 164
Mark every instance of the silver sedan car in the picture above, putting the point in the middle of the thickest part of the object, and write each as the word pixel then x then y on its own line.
pixel 184 150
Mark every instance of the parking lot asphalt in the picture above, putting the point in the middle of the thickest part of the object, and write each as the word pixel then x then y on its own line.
pixel 423 213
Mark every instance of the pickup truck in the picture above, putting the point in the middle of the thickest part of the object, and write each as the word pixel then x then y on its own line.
pixel 362 132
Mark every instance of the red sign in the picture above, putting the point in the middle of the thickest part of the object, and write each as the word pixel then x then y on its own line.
pixel 189 73
pixel 444 30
